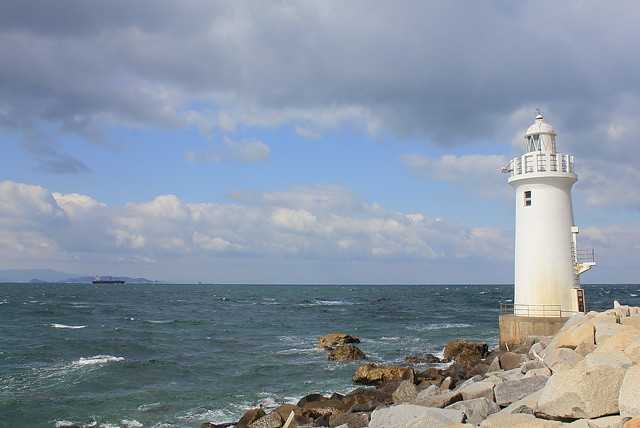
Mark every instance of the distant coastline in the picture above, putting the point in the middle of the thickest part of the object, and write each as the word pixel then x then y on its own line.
pixel 50 276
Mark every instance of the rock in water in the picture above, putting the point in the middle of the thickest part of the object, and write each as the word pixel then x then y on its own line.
pixel 347 353
pixel 329 340
pixel 464 352
pixel 423 358
pixel 372 374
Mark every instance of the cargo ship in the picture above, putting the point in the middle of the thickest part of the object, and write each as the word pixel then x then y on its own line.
pixel 107 280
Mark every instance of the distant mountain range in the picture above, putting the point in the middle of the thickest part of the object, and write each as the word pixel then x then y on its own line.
pixel 50 275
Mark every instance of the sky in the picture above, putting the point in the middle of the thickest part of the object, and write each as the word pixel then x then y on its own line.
pixel 323 142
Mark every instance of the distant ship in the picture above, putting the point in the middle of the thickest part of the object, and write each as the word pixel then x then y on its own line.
pixel 109 280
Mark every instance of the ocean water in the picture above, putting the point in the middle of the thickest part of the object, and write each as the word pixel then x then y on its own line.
pixel 179 355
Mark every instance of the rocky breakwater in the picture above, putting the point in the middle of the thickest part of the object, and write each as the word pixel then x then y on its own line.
pixel 586 376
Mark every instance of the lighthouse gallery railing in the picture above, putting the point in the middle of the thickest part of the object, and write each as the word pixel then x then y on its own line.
pixel 541 162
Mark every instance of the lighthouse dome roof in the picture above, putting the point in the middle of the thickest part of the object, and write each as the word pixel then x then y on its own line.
pixel 540 127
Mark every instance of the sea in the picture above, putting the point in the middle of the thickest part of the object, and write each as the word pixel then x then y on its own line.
pixel 85 355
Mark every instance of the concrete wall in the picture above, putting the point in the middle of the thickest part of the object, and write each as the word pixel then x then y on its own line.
pixel 514 329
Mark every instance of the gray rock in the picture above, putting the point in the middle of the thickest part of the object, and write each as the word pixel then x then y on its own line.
pixel 629 396
pixel 544 371
pixel 530 401
pixel 511 391
pixel 612 358
pixel 494 366
pixel 406 391
pixel 561 359
pixel 513 374
pixel 582 392
pixel 477 409
pixel 440 400
pixel 412 416
pixel 507 420
pixel 429 391
pixel 478 390
pixel 530 365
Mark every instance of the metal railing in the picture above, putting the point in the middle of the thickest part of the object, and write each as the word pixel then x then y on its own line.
pixel 549 311
pixel 540 162
pixel 585 255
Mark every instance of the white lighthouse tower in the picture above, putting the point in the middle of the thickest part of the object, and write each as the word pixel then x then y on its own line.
pixel 547 260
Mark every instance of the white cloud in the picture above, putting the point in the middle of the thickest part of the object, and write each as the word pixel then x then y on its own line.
pixel 167 229
pixel 478 174
pixel 245 151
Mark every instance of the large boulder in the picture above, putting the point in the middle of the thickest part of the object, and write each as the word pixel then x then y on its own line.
pixel 250 416
pixel 372 374
pixel 510 391
pixel 511 360
pixel 440 400
pixel 414 416
pixel 498 420
pixel 561 359
pixel 478 390
pixel 406 391
pixel 629 398
pixel 422 358
pixel 353 420
pixel 620 341
pixel 330 340
pixel 271 420
pixel 347 353
pixel 574 335
pixel 464 352
pixel 476 410
pixel 585 391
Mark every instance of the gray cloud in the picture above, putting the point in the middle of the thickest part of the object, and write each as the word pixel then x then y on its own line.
pixel 448 73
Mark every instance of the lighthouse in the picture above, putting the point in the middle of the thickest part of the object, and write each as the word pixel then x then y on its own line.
pixel 548 262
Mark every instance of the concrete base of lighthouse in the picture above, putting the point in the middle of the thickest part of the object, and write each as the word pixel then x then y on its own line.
pixel 515 329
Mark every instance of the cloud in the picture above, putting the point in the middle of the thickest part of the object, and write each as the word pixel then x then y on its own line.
pixel 166 229
pixel 478 174
pixel 245 151
pixel 382 69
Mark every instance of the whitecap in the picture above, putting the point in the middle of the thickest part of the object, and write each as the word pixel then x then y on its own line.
pixel 297 351
pixel 65 424
pixel 72 327
pixel 159 321
pixel 331 303
pixel 209 415
pixel 97 359
pixel 390 338
pixel 153 407
pixel 126 423
pixel 441 326
pixel 268 403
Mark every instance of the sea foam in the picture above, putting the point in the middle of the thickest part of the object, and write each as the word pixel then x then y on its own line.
pixel 72 327
pixel 97 359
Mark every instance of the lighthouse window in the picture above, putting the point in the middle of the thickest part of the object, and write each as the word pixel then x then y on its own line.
pixel 527 198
